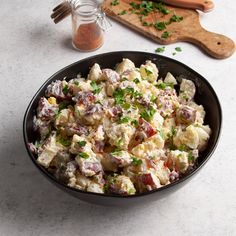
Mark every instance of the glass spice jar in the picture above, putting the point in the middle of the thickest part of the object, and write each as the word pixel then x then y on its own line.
pixel 87 26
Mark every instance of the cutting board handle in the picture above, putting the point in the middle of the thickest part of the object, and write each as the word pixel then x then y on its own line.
pixel 217 45
pixel 202 5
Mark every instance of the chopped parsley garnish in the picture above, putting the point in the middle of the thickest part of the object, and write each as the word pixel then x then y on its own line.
pixel 176 18
pixel 165 35
pixel 134 5
pixel 173 131
pixel 65 89
pixel 136 161
pixel 148 114
pixel 174 53
pixel 134 123
pixel 118 95
pixel 148 72
pixel 95 87
pixel 63 141
pixel 76 83
pixel 153 99
pixel 115 3
pixel 83 155
pixel 145 23
pixel 178 49
pixel 182 147
pixel 163 85
pixel 161 8
pixel 123 120
pixel 126 106
pixel 136 81
pixel 122 12
pixel 82 143
pixel 160 50
pixel 160 25
pixel 190 157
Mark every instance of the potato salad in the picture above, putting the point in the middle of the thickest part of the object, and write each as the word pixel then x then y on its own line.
pixel 120 131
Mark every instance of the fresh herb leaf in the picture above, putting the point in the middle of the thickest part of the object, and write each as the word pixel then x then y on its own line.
pixel 174 53
pixel 82 143
pixel 148 114
pixel 163 85
pixel 173 131
pixel 83 155
pixel 134 5
pixel 136 81
pixel 161 8
pixel 63 141
pixel 95 87
pixel 76 83
pixel 145 23
pixel 134 123
pixel 176 18
pixel 122 12
pixel 148 72
pixel 160 25
pixel 115 3
pixel 136 161
pixel 126 106
pixel 190 157
pixel 118 95
pixel 178 49
pixel 65 89
pixel 165 35
pixel 123 120
pixel 160 50
pixel 153 99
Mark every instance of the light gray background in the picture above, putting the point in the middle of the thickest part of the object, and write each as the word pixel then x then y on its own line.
pixel 32 48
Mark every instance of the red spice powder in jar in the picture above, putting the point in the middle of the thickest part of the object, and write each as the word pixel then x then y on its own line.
pixel 88 37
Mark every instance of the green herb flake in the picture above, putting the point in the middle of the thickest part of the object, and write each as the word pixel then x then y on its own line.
pixel 190 157
pixel 123 120
pixel 136 81
pixel 148 114
pixel 148 72
pixel 76 83
pixel 65 89
pixel 82 143
pixel 126 106
pixel 165 35
pixel 176 18
pixel 134 5
pixel 163 85
pixel 122 13
pixel 160 25
pixel 134 123
pixel 174 53
pixel 173 131
pixel 178 49
pixel 160 50
pixel 118 95
pixel 145 23
pixel 115 3
pixel 63 141
pixel 136 161
pixel 161 8
pixel 83 155
pixel 95 87
pixel 153 99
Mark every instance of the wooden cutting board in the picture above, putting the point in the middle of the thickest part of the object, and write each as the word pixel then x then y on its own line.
pixel 188 30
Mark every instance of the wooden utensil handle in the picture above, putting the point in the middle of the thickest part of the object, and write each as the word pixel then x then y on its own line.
pixel 216 45
pixel 202 5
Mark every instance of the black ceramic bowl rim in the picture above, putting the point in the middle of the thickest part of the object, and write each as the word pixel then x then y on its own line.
pixel 53 179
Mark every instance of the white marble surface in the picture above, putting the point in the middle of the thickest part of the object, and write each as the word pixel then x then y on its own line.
pixel 32 48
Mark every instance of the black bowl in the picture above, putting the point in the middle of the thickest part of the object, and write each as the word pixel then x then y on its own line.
pixel 205 95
